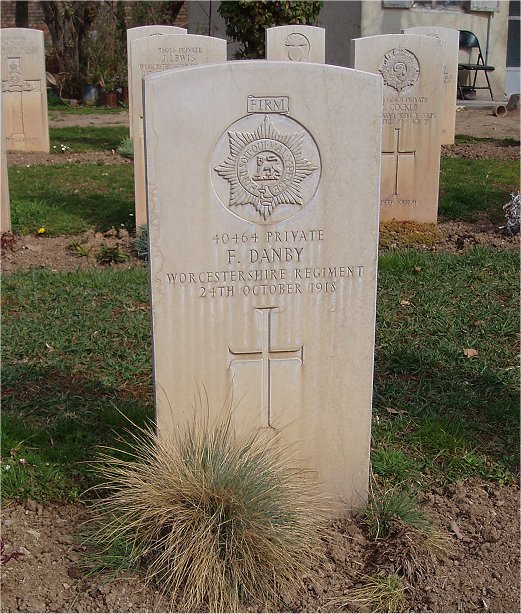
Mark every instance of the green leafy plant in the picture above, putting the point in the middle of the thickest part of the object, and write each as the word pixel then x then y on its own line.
pixel 111 254
pixel 246 21
pixel 512 215
pixel 7 241
pixel 217 519
pixel 141 243
pixel 81 248
pixel 126 148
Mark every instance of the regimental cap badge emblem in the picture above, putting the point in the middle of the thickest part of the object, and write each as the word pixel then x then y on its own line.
pixel 272 168
pixel 400 69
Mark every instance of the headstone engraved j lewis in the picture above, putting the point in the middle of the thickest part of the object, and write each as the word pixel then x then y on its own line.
pixel 411 67
pixel 296 44
pixel 144 32
pixel 450 75
pixel 24 90
pixel 263 244
pixel 156 54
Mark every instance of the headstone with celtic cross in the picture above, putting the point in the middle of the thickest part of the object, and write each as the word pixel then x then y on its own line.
pixel 155 54
pixel 450 75
pixel 263 245
pixel 411 67
pixel 143 32
pixel 296 43
pixel 24 91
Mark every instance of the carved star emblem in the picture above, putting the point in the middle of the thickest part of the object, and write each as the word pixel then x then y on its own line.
pixel 265 168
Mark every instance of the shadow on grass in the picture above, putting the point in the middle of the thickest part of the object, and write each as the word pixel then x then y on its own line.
pixel 55 422
pixel 469 188
pixel 442 417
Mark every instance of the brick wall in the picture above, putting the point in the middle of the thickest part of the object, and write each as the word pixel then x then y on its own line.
pixel 25 15
pixel 182 17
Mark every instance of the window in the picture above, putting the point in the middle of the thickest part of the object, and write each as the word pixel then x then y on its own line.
pixel 440 5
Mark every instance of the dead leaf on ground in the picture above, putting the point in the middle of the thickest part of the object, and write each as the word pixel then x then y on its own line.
pixel 395 412
pixel 456 529
pixel 471 353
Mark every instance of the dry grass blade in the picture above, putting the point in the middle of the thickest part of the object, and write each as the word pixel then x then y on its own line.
pixel 216 519
pixel 410 552
pixel 381 593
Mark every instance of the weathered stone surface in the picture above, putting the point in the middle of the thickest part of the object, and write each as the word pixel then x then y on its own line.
pixel 412 70
pixel 156 54
pixel 296 43
pixel 263 244
pixel 5 207
pixel 24 90
pixel 450 75
pixel 143 32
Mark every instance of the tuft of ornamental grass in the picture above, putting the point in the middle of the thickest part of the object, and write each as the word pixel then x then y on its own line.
pixel 395 506
pixel 412 553
pixel 141 243
pixel 215 519
pixel 126 148
pixel 407 539
pixel 383 593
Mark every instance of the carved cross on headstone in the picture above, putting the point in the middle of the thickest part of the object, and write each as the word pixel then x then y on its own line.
pixel 266 355
pixel 397 153
pixel 15 85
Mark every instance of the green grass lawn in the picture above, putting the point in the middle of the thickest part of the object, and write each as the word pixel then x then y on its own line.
pixel 470 188
pixel 77 363
pixel 72 198
pixel 77 351
pixel 87 138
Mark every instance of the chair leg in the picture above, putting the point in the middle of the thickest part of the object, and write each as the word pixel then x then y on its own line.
pixel 489 87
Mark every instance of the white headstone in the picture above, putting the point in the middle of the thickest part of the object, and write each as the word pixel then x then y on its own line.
pixel 450 75
pixel 263 222
pixel 143 32
pixel 156 54
pixel 412 70
pixel 296 43
pixel 5 208
pixel 24 90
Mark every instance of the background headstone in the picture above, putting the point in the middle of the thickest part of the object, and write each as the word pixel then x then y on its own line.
pixel 5 208
pixel 450 75
pixel 263 246
pixel 156 54
pixel 24 90
pixel 143 32
pixel 412 70
pixel 296 43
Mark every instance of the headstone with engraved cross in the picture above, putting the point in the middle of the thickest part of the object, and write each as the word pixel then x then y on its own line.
pixel 24 91
pixel 412 70
pixel 155 54
pixel 450 75
pixel 296 43
pixel 263 245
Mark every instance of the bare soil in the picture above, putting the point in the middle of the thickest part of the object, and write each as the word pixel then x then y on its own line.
pixel 478 573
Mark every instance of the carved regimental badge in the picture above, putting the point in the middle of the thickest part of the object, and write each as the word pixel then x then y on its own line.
pixel 271 171
pixel 400 69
